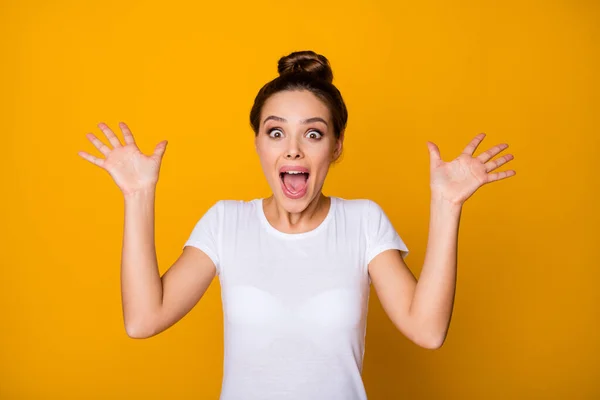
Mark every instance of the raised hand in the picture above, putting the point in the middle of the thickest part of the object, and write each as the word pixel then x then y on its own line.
pixel 457 180
pixel 131 170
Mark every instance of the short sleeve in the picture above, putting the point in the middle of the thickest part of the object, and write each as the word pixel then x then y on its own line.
pixel 205 235
pixel 381 234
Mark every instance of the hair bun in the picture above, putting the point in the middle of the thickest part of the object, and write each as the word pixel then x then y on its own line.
pixel 306 62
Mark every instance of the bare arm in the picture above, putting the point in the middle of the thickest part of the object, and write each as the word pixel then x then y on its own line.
pixel 433 301
pixel 422 309
pixel 141 286
pixel 152 304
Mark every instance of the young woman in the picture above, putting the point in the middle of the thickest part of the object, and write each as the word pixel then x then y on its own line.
pixel 294 268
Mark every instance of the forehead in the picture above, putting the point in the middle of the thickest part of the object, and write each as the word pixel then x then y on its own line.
pixel 295 106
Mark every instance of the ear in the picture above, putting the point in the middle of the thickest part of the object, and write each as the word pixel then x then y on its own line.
pixel 339 145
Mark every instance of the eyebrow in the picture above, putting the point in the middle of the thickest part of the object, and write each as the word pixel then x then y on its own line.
pixel 306 121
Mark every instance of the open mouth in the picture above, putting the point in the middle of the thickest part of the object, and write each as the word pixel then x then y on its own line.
pixel 294 183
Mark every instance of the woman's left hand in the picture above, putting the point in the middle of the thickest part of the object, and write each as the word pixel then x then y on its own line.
pixel 457 180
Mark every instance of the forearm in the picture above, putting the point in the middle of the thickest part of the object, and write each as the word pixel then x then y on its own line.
pixel 141 286
pixel 433 299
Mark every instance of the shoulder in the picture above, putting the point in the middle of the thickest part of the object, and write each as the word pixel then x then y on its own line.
pixel 234 205
pixel 223 208
pixel 364 207
pixel 234 211
pixel 231 204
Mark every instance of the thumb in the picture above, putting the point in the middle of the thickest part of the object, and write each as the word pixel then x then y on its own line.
pixel 434 152
pixel 159 150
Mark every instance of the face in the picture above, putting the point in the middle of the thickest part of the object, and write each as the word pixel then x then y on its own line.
pixel 296 144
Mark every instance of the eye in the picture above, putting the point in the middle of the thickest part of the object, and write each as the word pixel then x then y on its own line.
pixel 275 133
pixel 315 134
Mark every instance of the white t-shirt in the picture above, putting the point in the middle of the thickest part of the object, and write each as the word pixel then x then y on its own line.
pixel 294 305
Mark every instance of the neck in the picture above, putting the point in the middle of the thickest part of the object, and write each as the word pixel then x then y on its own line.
pixel 296 221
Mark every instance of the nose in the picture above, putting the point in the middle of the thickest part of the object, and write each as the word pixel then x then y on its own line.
pixel 293 152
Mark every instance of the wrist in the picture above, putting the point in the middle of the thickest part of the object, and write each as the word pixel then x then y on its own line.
pixel 438 200
pixel 140 194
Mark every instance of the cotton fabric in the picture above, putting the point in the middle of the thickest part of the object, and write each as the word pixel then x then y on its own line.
pixel 294 305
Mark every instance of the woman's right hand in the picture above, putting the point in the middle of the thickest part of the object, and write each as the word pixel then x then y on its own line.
pixel 131 170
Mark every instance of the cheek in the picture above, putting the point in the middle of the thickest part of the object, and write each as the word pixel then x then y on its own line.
pixel 323 156
pixel 263 151
pixel 267 158
pixel 322 165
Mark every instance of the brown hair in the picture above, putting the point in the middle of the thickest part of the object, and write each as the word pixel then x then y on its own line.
pixel 304 70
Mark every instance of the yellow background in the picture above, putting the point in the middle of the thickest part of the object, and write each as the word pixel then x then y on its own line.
pixel 526 317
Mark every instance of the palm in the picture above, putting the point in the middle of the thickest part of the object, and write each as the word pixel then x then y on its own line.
pixel 458 179
pixel 131 170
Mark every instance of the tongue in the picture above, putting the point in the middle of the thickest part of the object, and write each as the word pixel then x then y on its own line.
pixel 294 182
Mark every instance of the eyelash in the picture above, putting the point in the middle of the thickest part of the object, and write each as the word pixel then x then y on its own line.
pixel 312 130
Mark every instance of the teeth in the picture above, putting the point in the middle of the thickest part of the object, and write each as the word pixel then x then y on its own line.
pixel 294 172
